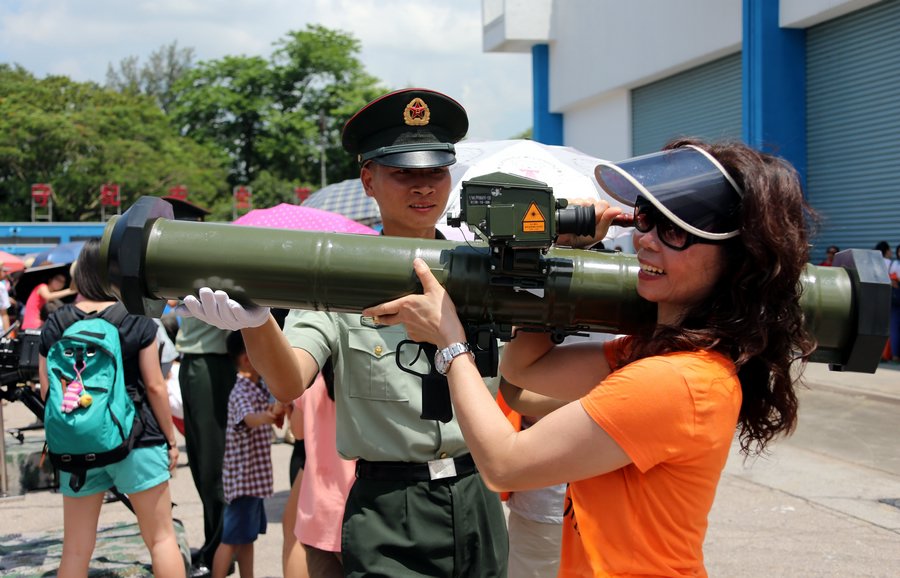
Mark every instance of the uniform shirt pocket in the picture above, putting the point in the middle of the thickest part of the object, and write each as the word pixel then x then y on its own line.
pixel 372 365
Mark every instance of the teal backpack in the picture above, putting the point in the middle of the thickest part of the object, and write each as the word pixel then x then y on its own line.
pixel 89 415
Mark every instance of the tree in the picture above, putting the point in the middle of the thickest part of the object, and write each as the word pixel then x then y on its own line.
pixel 154 79
pixel 78 136
pixel 226 103
pixel 527 134
pixel 279 115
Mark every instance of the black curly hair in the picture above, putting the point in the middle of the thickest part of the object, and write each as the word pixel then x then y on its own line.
pixel 753 314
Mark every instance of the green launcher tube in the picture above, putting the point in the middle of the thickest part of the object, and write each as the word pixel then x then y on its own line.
pixel 149 258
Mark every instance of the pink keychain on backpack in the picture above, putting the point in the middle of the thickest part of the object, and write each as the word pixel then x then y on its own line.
pixel 72 395
pixel 75 396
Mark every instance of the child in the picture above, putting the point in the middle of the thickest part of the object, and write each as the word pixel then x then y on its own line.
pixel 247 467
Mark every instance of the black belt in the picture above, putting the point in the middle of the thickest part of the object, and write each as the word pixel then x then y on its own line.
pixel 409 471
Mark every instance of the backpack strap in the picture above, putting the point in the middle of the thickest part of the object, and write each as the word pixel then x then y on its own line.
pixel 115 314
pixel 66 316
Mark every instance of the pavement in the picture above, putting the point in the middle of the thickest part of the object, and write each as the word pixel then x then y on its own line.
pixel 824 502
pixel 33 522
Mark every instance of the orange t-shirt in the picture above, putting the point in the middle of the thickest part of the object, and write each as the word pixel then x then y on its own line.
pixel 675 416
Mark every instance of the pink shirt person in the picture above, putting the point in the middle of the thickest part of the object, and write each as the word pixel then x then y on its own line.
pixel 327 477
pixel 40 295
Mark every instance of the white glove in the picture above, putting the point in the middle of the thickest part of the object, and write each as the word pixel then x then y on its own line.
pixel 219 310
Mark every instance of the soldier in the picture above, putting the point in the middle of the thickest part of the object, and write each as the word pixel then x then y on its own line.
pixel 205 377
pixel 419 506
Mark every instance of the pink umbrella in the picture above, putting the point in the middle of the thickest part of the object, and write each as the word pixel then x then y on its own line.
pixel 11 262
pixel 287 216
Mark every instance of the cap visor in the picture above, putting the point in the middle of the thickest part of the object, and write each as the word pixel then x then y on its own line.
pixel 417 159
pixel 686 184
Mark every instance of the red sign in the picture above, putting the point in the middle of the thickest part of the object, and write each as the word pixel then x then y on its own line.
pixel 242 197
pixel 179 192
pixel 302 193
pixel 41 193
pixel 109 195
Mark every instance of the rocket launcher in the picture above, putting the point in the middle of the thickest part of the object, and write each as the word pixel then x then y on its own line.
pixel 510 275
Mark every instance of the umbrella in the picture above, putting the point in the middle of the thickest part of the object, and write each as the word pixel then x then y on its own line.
pixel 346 198
pixel 25 281
pixel 61 254
pixel 287 216
pixel 11 262
pixel 569 171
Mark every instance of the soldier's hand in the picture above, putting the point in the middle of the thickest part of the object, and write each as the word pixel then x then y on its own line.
pixel 219 310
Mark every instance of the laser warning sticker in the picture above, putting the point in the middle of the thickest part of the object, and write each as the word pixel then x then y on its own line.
pixel 534 221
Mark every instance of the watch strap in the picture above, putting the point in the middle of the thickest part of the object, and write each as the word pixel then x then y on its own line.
pixel 444 357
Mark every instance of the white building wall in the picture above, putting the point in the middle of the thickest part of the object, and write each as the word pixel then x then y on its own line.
pixel 605 45
pixel 601 49
pixel 602 126
pixel 515 25
pixel 806 13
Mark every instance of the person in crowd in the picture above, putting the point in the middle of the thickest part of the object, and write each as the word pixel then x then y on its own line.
pixel 885 249
pixel 418 507
pixel 5 303
pixel 722 237
pixel 327 479
pixel 55 288
pixel 830 252
pixel 894 275
pixel 206 376
pixel 49 307
pixel 293 556
pixel 535 525
pixel 144 474
pixel 247 473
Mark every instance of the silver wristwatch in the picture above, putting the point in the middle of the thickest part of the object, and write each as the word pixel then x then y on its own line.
pixel 443 357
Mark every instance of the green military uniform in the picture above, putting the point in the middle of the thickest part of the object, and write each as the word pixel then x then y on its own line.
pixel 418 506
pixel 206 376
pixel 457 523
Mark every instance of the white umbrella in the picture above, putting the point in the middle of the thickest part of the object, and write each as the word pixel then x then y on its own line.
pixel 569 171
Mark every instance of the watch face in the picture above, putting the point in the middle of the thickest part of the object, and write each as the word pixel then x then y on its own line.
pixel 442 361
pixel 443 357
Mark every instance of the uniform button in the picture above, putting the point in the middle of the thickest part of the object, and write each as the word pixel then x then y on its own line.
pixel 443 455
pixel 378 350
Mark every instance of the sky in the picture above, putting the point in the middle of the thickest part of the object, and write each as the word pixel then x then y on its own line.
pixel 434 44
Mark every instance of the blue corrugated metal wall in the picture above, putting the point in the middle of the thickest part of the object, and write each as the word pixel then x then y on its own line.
pixel 704 101
pixel 853 127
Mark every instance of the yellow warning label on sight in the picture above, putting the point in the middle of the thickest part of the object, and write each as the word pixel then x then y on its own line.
pixel 534 221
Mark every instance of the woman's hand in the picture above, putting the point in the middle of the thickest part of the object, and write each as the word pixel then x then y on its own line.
pixel 603 214
pixel 173 458
pixel 430 317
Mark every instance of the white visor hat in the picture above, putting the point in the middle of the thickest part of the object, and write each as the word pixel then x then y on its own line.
pixel 687 184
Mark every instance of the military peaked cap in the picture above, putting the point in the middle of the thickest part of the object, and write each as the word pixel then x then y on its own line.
pixel 409 128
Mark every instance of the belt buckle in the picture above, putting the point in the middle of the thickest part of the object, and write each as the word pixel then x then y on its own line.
pixel 439 469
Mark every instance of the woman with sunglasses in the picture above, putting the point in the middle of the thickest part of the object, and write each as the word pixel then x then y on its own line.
pixel 646 422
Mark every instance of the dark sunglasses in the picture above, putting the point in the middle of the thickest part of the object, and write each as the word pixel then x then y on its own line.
pixel 646 217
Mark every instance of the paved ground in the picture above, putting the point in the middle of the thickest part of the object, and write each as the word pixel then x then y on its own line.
pixel 38 515
pixel 824 503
